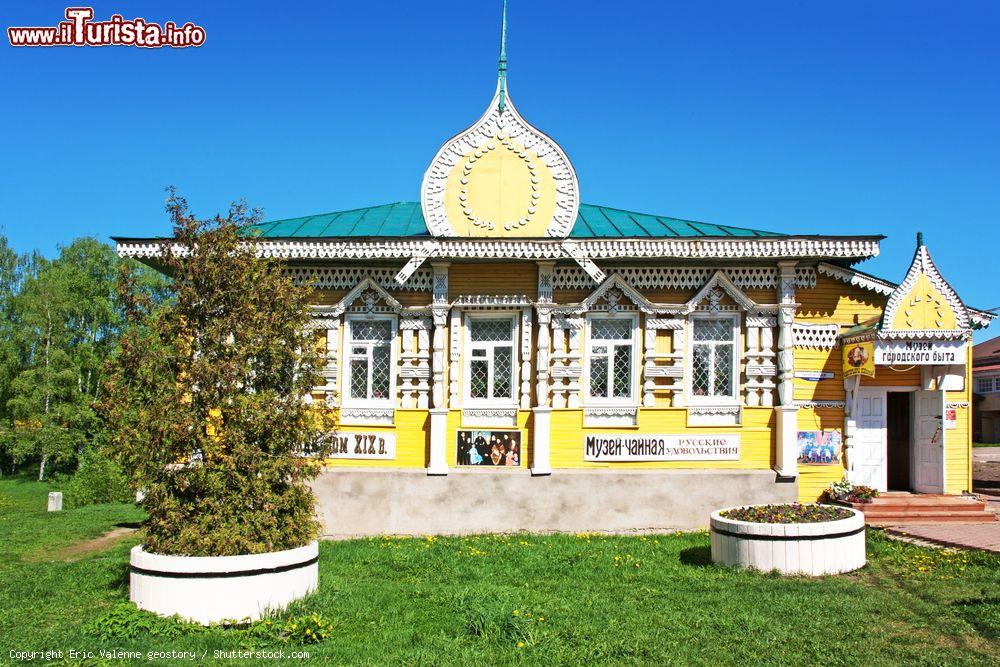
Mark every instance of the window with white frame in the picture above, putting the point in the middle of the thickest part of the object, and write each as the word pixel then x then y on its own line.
pixel 490 368
pixel 988 385
pixel 611 371
pixel 714 361
pixel 368 376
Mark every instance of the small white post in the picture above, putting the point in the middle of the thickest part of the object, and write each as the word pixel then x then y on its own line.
pixel 540 463
pixel 55 501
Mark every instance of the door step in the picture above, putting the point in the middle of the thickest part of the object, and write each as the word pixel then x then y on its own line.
pixel 896 508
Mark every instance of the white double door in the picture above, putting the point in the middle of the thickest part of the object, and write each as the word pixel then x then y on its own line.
pixel 926 448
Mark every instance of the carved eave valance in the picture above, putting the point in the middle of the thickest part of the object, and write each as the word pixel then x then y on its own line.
pixel 846 248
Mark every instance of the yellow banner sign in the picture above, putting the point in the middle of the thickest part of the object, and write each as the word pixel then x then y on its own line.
pixel 859 359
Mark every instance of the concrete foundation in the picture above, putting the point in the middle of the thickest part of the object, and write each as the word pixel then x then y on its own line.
pixel 353 502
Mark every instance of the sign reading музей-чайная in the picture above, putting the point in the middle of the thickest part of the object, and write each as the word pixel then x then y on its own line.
pixel 661 447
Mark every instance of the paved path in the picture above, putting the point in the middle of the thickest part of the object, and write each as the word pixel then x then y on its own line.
pixel 984 454
pixel 984 536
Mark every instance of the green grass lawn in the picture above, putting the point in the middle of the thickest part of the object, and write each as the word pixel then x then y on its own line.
pixel 524 599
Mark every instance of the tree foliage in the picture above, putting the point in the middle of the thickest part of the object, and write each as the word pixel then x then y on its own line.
pixel 204 404
pixel 61 321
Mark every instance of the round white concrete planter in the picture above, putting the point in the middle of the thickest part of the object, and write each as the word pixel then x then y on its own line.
pixel 209 589
pixel 829 547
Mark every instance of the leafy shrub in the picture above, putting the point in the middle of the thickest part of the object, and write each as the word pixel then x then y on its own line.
pixel 97 480
pixel 203 401
pixel 792 513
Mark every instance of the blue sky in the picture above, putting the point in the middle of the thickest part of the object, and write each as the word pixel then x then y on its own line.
pixel 801 117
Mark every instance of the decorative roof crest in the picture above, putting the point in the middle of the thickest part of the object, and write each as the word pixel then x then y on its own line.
pixel 500 178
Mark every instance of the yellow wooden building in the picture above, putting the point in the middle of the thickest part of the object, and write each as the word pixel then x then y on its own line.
pixel 505 357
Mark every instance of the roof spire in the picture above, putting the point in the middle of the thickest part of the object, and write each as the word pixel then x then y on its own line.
pixel 920 239
pixel 502 64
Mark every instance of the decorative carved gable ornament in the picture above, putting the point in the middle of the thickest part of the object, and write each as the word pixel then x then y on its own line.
pixel 924 305
pixel 613 292
pixel 370 299
pixel 713 291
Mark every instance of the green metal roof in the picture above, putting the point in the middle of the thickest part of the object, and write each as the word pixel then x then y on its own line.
pixel 406 219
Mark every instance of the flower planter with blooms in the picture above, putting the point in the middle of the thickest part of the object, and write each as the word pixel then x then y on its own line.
pixel 205 404
pixel 846 492
pixel 792 539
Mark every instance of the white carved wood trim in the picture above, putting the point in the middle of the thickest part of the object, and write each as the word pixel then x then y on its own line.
pixel 345 277
pixel 559 378
pixel 614 295
pixel 670 324
pixel 759 366
pixel 819 336
pixel 714 289
pixel 330 371
pixel 856 278
pixel 663 372
pixel 467 248
pixel 488 301
pixel 369 416
pixel 923 265
pixel 681 277
pixel 821 405
pixel 526 358
pixel 365 297
pixel 611 416
pixel 543 346
pixel 455 353
pixel 648 368
pixel 567 360
pixel 714 415
pixel 679 347
pixel 786 317
pixel 505 417
pixel 414 367
pixel 500 123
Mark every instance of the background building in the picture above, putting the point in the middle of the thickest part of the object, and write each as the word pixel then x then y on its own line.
pixel 986 391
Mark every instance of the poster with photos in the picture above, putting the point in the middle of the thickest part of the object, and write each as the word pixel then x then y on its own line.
pixel 822 447
pixel 489 448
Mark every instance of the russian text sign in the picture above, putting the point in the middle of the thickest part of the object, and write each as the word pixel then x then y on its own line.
pixel 919 352
pixel 655 447
pixel 364 446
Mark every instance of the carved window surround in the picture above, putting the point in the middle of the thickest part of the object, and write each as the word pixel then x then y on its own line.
pixel 486 417
pixel 714 415
pixel 365 416
pixel 609 415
